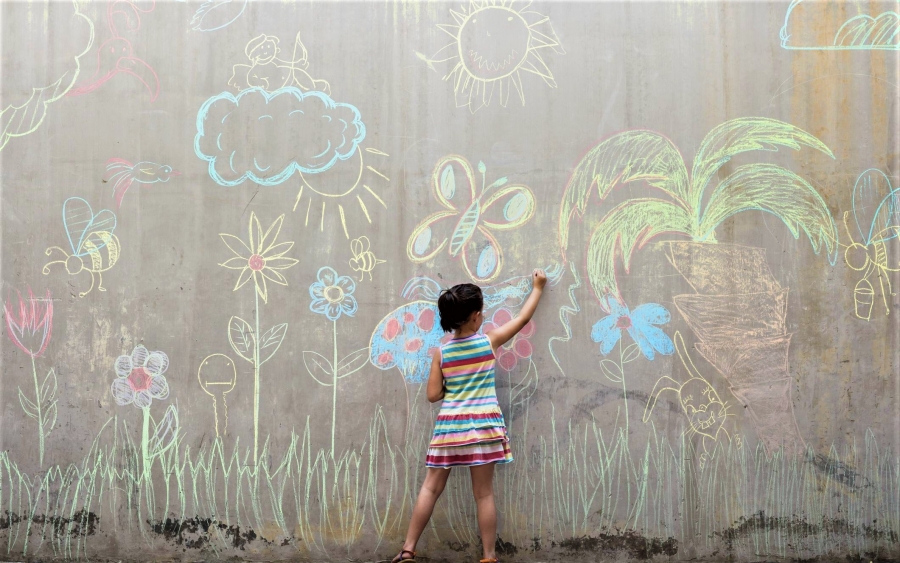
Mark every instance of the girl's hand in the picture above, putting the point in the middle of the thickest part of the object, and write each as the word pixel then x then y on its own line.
pixel 539 278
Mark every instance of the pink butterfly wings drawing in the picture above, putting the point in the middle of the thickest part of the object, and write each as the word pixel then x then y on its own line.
pixel 469 215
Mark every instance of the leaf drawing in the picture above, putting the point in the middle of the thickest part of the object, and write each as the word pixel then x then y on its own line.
pixel 48 389
pixel 271 340
pixel 353 362
pixel 318 366
pixel 164 432
pixel 27 406
pixel 241 337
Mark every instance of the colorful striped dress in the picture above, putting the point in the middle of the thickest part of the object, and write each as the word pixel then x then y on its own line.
pixel 469 429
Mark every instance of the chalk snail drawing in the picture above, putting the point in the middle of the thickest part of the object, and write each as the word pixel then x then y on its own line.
pixel 94 247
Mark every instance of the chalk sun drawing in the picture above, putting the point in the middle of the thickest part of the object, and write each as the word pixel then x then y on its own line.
pixel 90 238
pixel 492 44
pixel 468 218
pixel 876 212
pixel 318 133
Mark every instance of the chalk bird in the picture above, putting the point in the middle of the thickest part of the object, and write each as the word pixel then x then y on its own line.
pixel 123 173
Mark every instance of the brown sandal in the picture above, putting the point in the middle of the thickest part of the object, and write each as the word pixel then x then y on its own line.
pixel 400 559
pixel 488 560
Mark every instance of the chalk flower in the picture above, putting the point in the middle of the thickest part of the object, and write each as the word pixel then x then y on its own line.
pixel 332 295
pixel 261 259
pixel 640 325
pixel 30 324
pixel 140 378
pixel 518 348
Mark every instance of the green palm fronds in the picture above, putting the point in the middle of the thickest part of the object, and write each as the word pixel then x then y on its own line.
pixel 647 156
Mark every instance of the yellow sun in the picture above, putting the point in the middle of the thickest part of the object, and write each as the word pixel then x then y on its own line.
pixel 494 41
pixel 347 180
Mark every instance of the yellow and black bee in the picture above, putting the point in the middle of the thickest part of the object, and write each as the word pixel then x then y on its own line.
pixel 100 247
pixel 363 261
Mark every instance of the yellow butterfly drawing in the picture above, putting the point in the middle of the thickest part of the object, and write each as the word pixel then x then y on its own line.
pixel 469 216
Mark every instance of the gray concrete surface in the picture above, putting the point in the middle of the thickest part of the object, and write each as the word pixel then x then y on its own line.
pixel 234 218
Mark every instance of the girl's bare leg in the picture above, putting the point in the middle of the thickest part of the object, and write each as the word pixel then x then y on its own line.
pixel 435 480
pixel 483 489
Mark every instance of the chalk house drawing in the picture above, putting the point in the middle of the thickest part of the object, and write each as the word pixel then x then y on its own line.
pixel 492 44
pixel 123 174
pixel 747 345
pixel 876 214
pixel 90 238
pixel 23 115
pixel 29 325
pixel 469 216
pixel 116 56
pixel 261 259
pixel 863 29
pixel 266 70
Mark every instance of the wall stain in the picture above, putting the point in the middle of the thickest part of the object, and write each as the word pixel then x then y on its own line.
pixel 633 543
pixel 195 533
pixel 81 524
pixel 800 528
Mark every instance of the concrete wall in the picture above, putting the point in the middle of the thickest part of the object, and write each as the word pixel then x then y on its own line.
pixel 234 221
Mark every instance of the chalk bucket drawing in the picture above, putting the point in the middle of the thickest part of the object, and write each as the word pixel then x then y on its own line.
pixel 94 247
pixel 469 216
pixel 492 44
pixel 876 213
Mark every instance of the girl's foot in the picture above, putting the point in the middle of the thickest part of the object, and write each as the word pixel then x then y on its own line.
pixel 490 560
pixel 401 559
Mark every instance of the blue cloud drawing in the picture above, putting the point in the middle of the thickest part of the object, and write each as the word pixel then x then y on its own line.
pixel 807 22
pixel 267 136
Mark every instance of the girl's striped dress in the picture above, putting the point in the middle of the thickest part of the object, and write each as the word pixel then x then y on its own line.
pixel 469 429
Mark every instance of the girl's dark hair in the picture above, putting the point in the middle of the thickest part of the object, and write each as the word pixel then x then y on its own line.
pixel 457 303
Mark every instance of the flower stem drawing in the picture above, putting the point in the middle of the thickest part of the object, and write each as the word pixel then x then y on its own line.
pixel 260 260
pixel 29 327
pixel 332 296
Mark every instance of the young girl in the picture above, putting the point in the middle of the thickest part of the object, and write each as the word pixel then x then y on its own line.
pixel 469 431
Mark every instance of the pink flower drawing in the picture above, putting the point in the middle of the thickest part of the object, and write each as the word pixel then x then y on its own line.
pixel 30 324
pixel 140 378
pixel 519 346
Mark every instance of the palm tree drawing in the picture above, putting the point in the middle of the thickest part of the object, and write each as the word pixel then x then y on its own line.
pixel 738 311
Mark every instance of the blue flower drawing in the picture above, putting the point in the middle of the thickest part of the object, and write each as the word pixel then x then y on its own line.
pixel 332 295
pixel 640 326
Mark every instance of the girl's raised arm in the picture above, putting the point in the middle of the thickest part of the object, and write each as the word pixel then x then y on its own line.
pixel 502 334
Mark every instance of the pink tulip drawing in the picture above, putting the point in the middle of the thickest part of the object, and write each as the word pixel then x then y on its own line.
pixel 29 326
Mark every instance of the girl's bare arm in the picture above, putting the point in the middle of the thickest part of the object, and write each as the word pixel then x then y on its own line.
pixel 502 334
pixel 435 389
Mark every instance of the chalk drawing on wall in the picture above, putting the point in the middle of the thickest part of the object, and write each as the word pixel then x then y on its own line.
pixel 876 214
pixel 116 55
pixel 518 349
pixel 261 259
pixel 738 315
pixel 847 25
pixel 29 325
pixel 218 376
pixel 339 184
pixel 267 70
pixel 331 295
pixel 749 349
pixel 706 412
pixel 23 115
pixel 123 174
pixel 321 132
pixel 405 339
pixel 363 260
pixel 492 44
pixel 469 216
pixel 217 14
pixel 94 247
